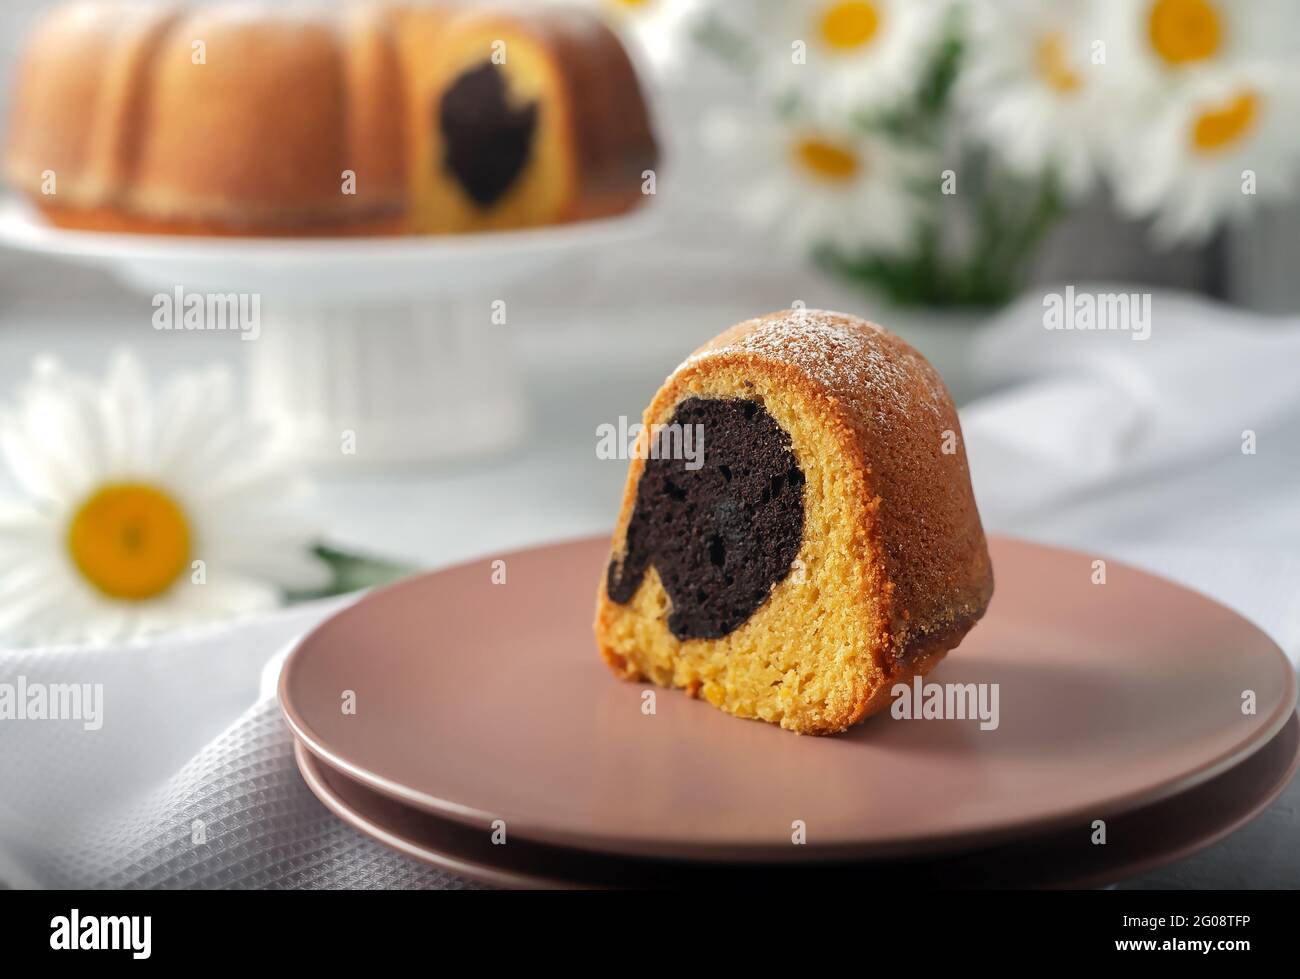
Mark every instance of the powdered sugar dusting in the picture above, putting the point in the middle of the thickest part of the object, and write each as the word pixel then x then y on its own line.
pixel 850 358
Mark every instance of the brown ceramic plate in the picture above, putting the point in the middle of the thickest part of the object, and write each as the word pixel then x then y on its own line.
pixel 479 701
pixel 1136 842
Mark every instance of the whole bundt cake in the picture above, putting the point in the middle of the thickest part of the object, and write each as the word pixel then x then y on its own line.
pixel 258 118
pixel 798 533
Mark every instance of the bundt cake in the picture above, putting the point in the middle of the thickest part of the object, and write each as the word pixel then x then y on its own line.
pixel 798 532
pixel 245 118
pixel 536 118
pixel 224 118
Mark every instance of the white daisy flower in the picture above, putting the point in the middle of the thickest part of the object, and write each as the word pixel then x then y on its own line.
pixel 140 514
pixel 844 55
pixel 1217 147
pixel 1157 46
pixel 1153 43
pixel 658 29
pixel 815 184
pixel 1031 90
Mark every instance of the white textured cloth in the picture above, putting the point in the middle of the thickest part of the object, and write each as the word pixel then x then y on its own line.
pixel 1133 449
pixel 187 781
pixel 1127 449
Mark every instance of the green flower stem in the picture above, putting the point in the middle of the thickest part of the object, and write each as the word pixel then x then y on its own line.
pixel 1006 235
pixel 351 572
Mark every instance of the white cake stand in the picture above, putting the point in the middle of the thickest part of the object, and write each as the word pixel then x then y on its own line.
pixel 370 351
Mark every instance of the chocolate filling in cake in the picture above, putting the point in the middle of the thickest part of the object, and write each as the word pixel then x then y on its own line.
pixel 487 139
pixel 720 534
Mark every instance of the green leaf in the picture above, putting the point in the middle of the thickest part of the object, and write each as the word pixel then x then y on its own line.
pixel 351 572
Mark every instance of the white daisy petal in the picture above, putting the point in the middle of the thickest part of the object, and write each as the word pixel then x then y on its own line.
pixel 1200 160
pixel 188 405
pixel 1155 44
pixel 34 591
pixel 127 415
pixel 845 56
pixel 1031 88
pixel 104 466
pixel 36 475
pixel 58 419
pixel 813 183
pixel 226 596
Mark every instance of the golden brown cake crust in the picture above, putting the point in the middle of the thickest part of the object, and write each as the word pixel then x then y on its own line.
pixel 612 137
pixel 258 137
pixel 931 578
pixel 254 137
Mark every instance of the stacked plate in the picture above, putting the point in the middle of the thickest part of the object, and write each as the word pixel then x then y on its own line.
pixel 463 718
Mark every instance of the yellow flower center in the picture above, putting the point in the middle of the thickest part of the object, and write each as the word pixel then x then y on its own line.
pixel 634 4
pixel 1183 31
pixel 130 540
pixel 827 160
pixel 1221 126
pixel 1053 65
pixel 845 26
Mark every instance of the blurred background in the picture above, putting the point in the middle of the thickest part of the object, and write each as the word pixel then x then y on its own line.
pixel 690 80
pixel 923 164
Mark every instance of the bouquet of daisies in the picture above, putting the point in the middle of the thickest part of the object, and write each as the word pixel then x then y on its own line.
pixel 925 146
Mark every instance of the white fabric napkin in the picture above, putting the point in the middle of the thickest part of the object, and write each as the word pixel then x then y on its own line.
pixel 1126 449
pixel 189 781
pixel 1132 449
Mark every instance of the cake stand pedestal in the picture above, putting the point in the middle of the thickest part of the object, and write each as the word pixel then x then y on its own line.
pixel 369 352
pixel 385 382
